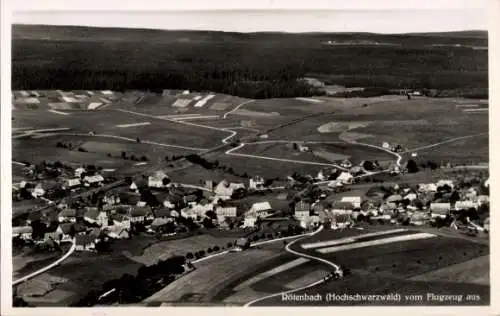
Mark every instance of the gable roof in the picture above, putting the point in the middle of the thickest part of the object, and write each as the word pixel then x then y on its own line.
pixel 83 240
pixel 159 222
pixel 162 213
pixel 261 206
pixel 339 205
pixel 139 211
pixel 66 228
pixel 91 212
pixel 302 206
pixel 69 212
pixel 22 230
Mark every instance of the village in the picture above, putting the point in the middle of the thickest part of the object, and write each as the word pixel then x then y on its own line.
pixel 154 205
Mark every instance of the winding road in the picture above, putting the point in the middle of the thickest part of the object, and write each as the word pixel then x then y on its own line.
pixel 287 248
pixel 50 266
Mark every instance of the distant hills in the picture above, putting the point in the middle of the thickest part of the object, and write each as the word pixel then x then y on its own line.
pixel 100 34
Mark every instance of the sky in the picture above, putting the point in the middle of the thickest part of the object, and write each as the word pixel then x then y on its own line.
pixel 378 16
pixel 379 21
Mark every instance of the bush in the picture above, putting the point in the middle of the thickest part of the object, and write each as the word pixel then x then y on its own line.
pixel 229 245
pixel 189 255
pixel 216 248
pixel 209 250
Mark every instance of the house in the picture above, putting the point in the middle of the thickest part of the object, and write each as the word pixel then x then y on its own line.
pixel 355 170
pixel 249 221
pixel 67 215
pixel 72 183
pixel 340 207
pixel 189 213
pixel 201 209
pixel 117 232
pixel 156 180
pixel 95 180
pixel 67 230
pixel 418 218
pixel 302 148
pixel 345 178
pixel 85 243
pixel 121 220
pixel 335 184
pixel 317 208
pixel 340 221
pixel 55 236
pixel 427 187
pixel 38 191
pixel 168 204
pixel 388 207
pixel 139 214
pixel 24 232
pixel 190 199
pixel 226 211
pixel 158 222
pixel 225 190
pixel 79 172
pixel 133 187
pixel 261 209
pixel 256 183
pixel 91 214
pixel 440 209
pixel 302 206
pixel 162 213
pixel 464 205
pixel 355 200
pixel 111 199
pixel 410 196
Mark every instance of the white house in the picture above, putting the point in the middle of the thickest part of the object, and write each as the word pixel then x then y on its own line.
pixel 261 209
pixel 386 145
pixel 483 199
pixel 201 209
pixel 249 221
pixel 156 180
pixel 256 183
pixel 168 204
pixel 346 164
pixel 94 180
pixel 440 209
pixel 226 211
pixel 427 187
pixel 133 187
pixel 345 178
pixel 38 191
pixel 73 183
pixel 79 172
pixel 224 189
pixel 24 232
pixel 464 205
pixel 410 196
pixel 355 200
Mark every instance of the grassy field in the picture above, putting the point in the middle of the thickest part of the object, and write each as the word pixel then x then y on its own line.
pixel 164 249
pixel 212 276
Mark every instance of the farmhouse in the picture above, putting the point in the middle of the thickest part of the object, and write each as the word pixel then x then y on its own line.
pixel 157 180
pixel 440 209
pixel 427 187
pixel 72 183
pixel 79 172
pixel 224 189
pixel 261 209
pixel 342 207
pixel 256 183
pixel 94 180
pixel 24 232
pixel 355 200
pixel 226 211
pixel 464 205
pixel 67 215
pixel 139 214
pixel 345 178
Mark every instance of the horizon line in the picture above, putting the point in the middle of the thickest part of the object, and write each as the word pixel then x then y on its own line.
pixel 250 32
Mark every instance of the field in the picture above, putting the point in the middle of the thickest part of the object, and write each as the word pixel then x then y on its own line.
pixel 380 268
pixel 80 273
pixel 211 277
pixel 164 249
